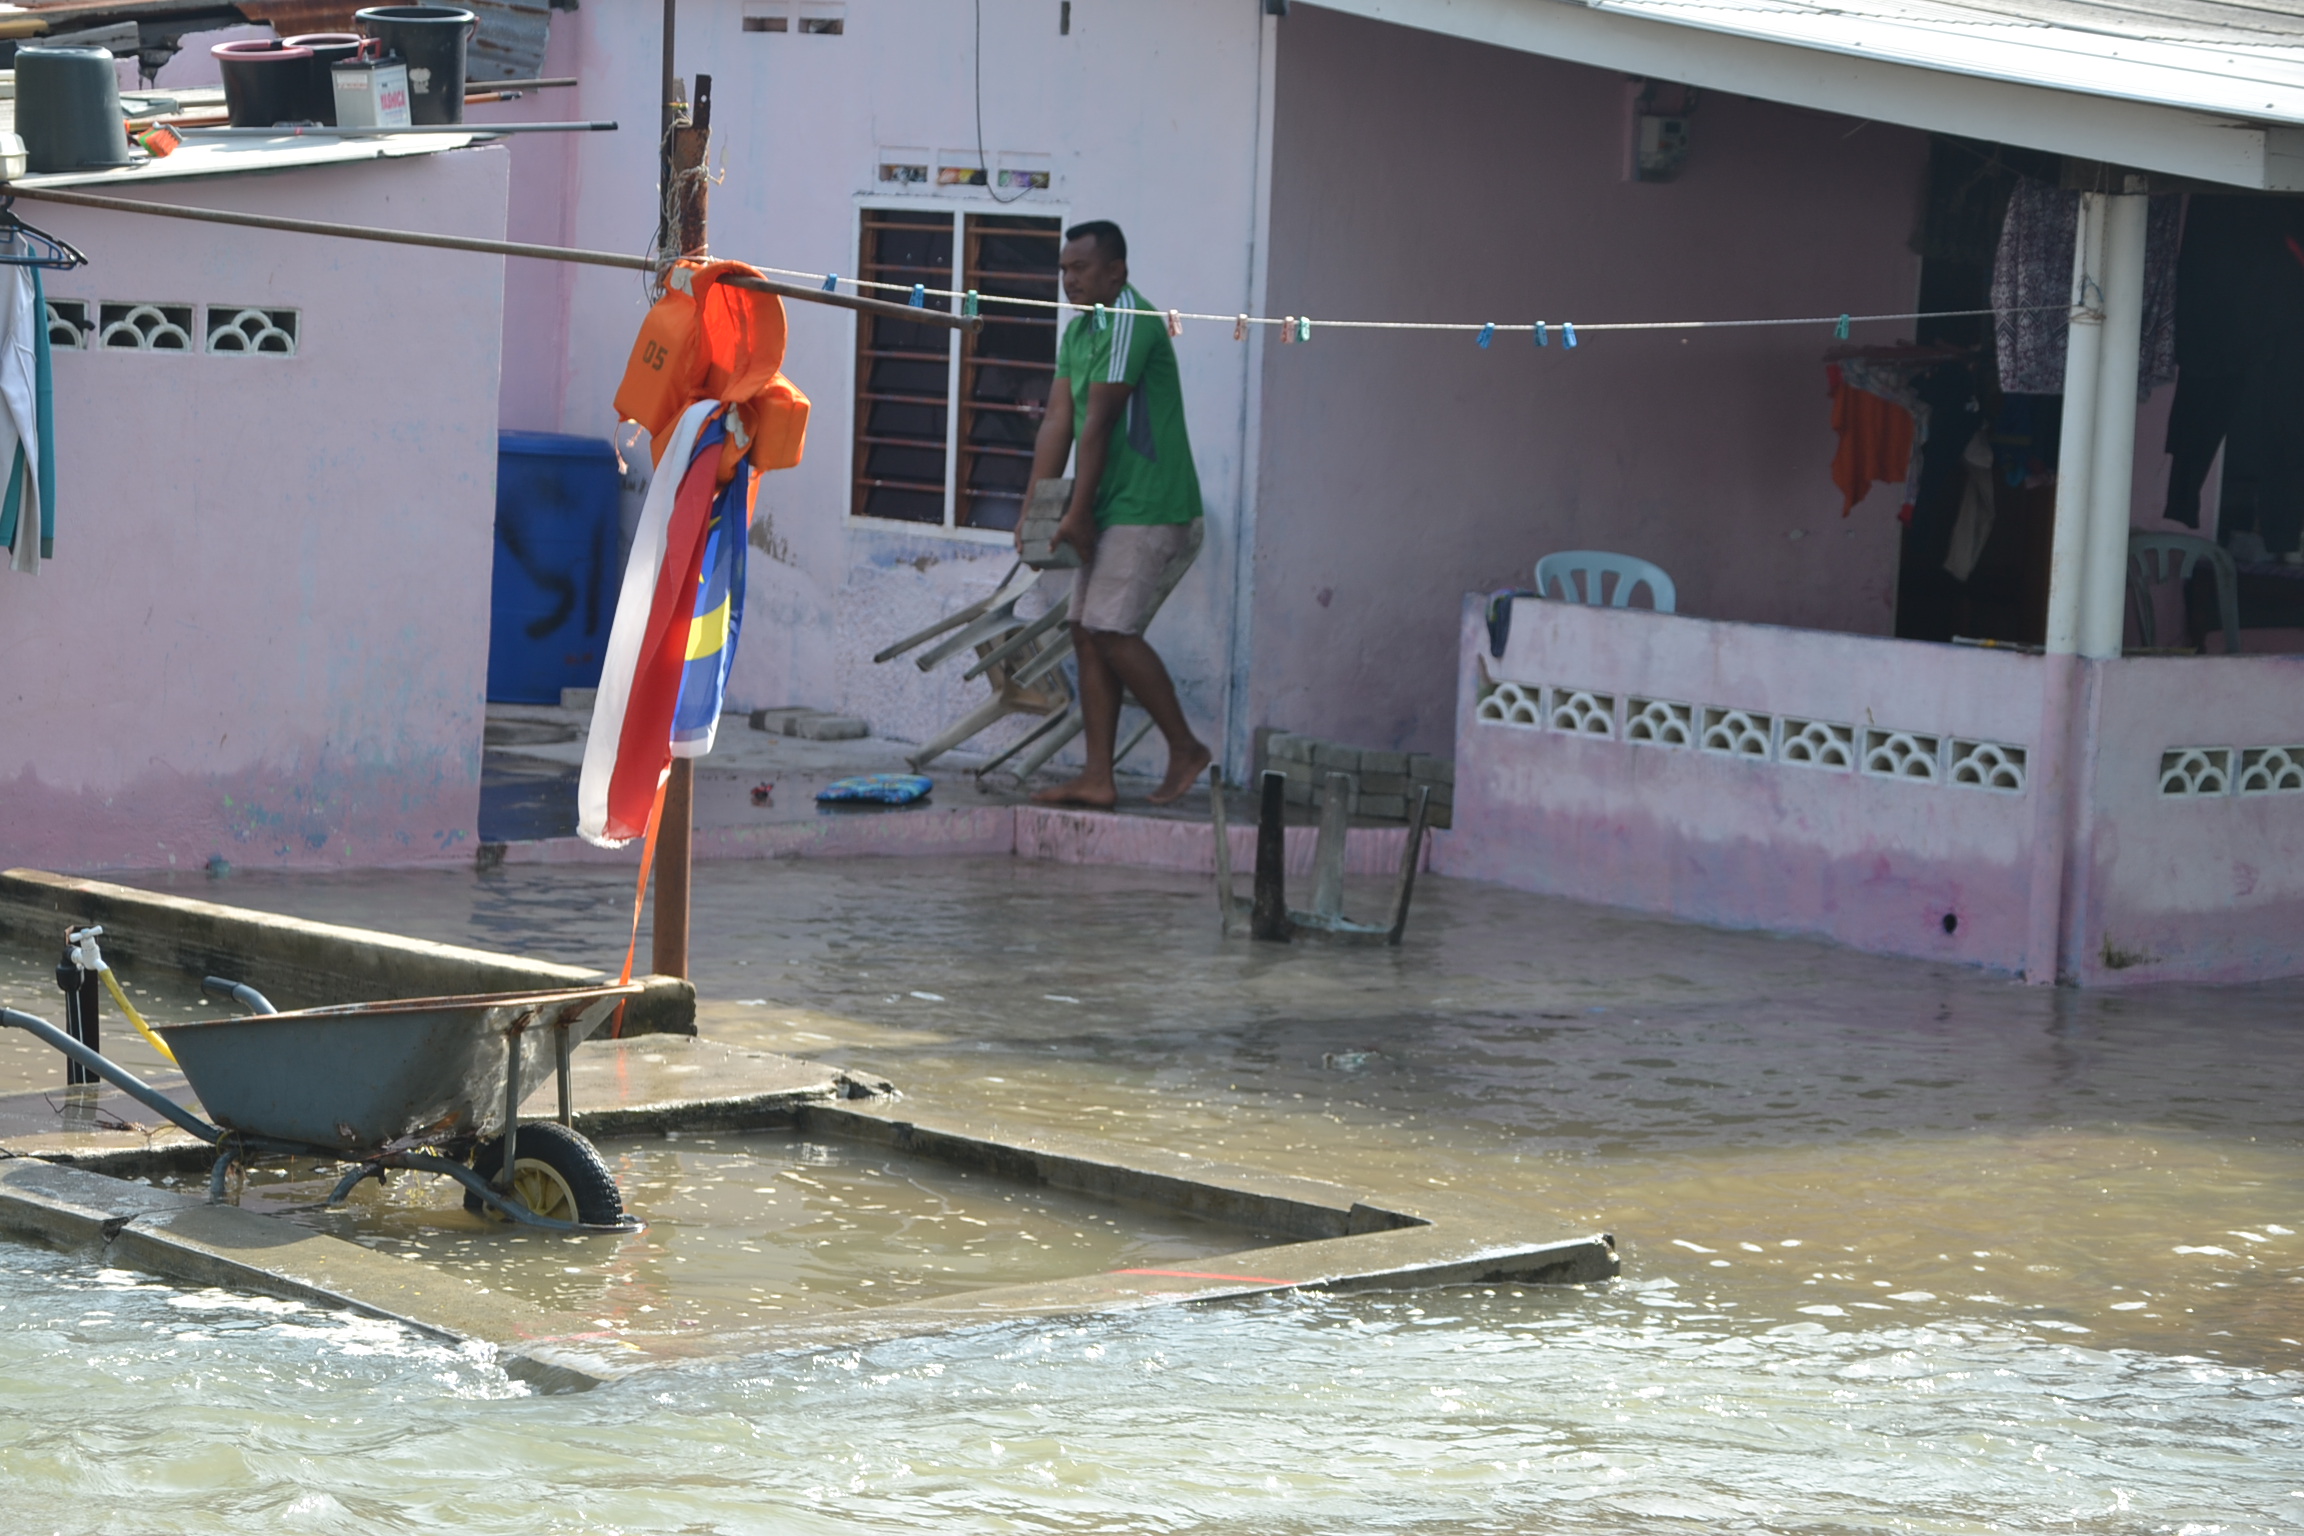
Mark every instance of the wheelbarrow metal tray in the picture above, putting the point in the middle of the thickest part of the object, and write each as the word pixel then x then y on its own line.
pixel 360 1076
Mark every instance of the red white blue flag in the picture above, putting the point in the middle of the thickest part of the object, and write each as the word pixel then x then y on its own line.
pixel 674 638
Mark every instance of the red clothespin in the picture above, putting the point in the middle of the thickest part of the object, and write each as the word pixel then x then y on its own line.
pixel 1288 329
pixel 1175 322
pixel 1240 329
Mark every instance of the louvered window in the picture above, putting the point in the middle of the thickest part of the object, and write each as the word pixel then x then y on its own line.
pixel 945 422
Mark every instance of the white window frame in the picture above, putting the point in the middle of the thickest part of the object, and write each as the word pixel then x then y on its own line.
pixel 962 208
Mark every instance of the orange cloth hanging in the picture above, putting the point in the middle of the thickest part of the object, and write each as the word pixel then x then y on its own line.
pixel 707 340
pixel 1875 440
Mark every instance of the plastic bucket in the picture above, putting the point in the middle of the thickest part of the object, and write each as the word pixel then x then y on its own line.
pixel 552 595
pixel 432 38
pixel 68 109
pixel 266 82
pixel 330 49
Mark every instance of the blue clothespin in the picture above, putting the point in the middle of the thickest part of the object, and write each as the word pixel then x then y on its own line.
pixel 968 305
pixel 1487 335
pixel 1543 334
pixel 1567 334
pixel 1101 319
pixel 919 295
pixel 1303 327
pixel 832 283
pixel 1840 331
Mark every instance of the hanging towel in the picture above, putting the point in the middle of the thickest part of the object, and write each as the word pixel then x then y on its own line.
pixel 2032 289
pixel 1875 438
pixel 27 420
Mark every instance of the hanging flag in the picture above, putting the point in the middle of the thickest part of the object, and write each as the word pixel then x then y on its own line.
pixel 703 380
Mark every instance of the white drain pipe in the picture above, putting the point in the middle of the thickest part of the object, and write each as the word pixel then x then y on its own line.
pixel 2111 477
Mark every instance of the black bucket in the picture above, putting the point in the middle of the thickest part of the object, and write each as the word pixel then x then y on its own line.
pixel 266 82
pixel 330 49
pixel 68 109
pixel 432 38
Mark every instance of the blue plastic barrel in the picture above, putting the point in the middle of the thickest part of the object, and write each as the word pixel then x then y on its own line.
pixel 553 594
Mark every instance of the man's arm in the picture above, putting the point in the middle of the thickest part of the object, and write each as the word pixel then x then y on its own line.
pixel 1105 404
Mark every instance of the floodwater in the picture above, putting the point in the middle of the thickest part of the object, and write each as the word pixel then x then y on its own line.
pixel 760 1227
pixel 1906 1247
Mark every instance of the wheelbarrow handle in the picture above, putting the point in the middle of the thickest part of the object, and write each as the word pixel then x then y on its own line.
pixel 120 1077
pixel 240 992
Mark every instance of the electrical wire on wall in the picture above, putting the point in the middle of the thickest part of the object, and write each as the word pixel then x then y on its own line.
pixel 982 164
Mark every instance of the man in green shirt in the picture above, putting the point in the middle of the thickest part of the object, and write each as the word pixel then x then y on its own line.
pixel 1135 509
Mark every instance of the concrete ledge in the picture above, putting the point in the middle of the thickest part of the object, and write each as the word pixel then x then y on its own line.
pixel 297 963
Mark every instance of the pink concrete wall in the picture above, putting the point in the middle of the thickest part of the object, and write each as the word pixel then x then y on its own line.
pixel 2202 888
pixel 1874 862
pixel 264 636
pixel 1420 177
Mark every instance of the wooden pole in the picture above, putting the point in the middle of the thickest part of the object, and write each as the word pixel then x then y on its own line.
pixel 689 143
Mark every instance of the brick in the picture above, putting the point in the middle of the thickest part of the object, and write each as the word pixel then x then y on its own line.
pixel 1327 754
pixel 1299 793
pixel 1384 807
pixel 828 728
pixel 1438 770
pixel 1384 762
pixel 1440 816
pixel 1320 782
pixel 777 722
pixel 1299 773
pixel 1281 748
pixel 1373 783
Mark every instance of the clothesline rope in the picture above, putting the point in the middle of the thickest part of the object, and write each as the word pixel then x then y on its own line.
pixel 832 281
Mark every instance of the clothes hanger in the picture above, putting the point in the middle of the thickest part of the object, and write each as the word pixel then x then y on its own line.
pixel 45 249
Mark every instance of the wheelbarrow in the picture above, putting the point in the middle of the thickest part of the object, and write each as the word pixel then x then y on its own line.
pixel 428 1085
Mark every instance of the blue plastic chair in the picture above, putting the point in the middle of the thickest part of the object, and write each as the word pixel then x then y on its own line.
pixel 1630 571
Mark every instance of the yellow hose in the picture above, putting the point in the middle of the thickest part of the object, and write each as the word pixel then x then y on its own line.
pixel 113 982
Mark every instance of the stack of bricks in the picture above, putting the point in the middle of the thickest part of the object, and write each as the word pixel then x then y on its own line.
pixel 1386 783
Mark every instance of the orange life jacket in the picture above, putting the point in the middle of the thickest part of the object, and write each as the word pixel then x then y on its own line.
pixel 707 340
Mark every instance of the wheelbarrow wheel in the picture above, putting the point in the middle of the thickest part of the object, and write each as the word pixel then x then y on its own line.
pixel 557 1174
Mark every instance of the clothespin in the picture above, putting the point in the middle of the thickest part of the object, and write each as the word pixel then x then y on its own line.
pixel 1288 328
pixel 969 305
pixel 1240 329
pixel 1487 335
pixel 1303 327
pixel 1840 331
pixel 832 282
pixel 1102 319
pixel 1543 334
pixel 919 295
pixel 1567 333
pixel 1175 322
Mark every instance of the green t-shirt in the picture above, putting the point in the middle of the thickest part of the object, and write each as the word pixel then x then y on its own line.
pixel 1148 473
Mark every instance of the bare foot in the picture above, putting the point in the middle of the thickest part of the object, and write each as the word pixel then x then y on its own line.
pixel 1184 770
pixel 1096 794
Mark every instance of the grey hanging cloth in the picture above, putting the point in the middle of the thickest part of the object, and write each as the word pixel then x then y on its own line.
pixel 2032 289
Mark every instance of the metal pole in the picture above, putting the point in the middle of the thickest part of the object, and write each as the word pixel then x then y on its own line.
pixel 571 254
pixel 560 1071
pixel 80 989
pixel 687 145
pixel 2068 557
pixel 2111 478
pixel 671 114
pixel 511 1107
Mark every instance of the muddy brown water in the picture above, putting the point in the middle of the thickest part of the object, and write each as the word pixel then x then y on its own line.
pixel 1906 1247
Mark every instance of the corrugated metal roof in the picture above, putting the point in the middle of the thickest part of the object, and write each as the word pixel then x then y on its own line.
pixel 2221 56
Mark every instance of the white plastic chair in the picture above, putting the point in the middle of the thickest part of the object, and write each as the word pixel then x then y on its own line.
pixel 1594 565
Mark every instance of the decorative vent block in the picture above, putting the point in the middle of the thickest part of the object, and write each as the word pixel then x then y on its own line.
pixel 68 324
pixel 1736 732
pixel 252 332
pixel 1583 712
pixel 1659 722
pixel 1988 765
pixel 1512 704
pixel 1818 744
pixel 1901 755
pixel 2272 771
pixel 144 327
pixel 2196 773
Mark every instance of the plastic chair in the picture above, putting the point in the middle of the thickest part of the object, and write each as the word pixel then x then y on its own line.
pixel 1594 565
pixel 2159 557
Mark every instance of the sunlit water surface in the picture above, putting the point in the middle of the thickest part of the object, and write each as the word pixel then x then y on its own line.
pixel 1906 1247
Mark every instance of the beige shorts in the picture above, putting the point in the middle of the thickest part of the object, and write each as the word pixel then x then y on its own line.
pixel 1134 569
